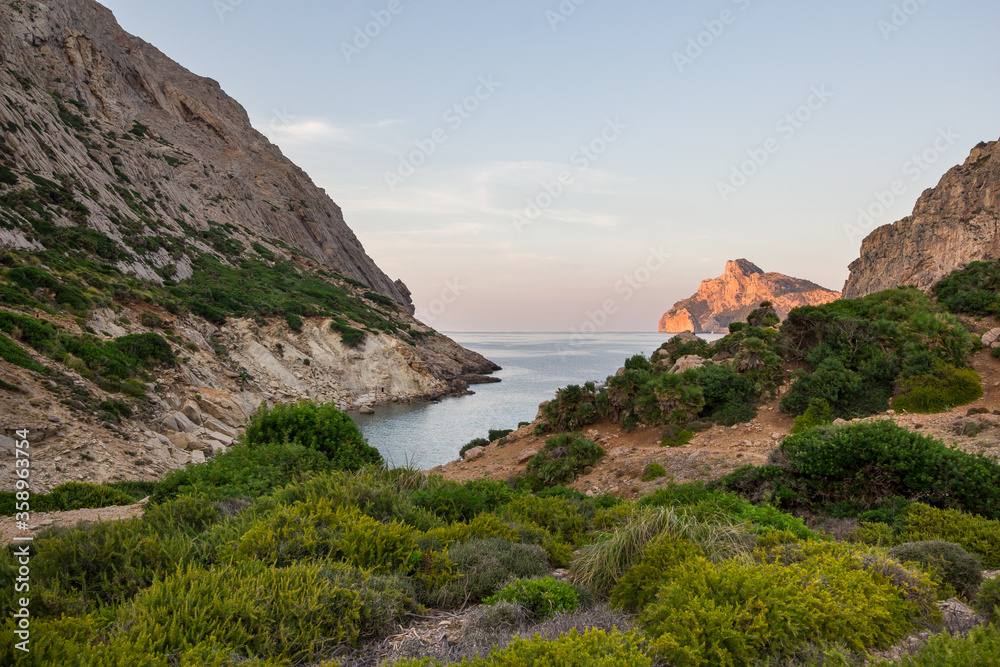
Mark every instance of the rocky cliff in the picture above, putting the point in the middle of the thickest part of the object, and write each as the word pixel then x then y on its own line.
pixel 165 270
pixel 738 291
pixel 953 224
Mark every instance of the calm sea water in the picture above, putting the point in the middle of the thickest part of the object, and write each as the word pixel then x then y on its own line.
pixel 535 365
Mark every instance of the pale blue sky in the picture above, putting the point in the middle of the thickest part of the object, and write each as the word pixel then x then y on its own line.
pixel 673 131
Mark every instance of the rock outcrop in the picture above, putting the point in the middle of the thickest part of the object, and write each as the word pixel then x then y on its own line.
pixel 736 293
pixel 111 113
pixel 953 224
pixel 125 180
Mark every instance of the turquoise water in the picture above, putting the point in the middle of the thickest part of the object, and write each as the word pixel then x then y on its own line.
pixel 534 365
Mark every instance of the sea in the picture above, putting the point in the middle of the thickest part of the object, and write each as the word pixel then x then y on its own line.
pixel 535 365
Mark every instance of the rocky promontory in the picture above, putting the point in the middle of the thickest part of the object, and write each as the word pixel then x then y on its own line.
pixel 953 224
pixel 736 293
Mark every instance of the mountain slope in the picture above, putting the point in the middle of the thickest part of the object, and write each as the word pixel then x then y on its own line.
pixel 737 292
pixel 164 270
pixel 953 224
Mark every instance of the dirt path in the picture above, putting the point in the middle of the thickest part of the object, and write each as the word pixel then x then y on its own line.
pixel 42 520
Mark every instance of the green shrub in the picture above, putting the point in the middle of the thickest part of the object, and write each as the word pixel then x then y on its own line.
pixel 320 426
pixel 653 471
pixel 563 457
pixel 680 346
pixel 729 397
pixel 592 648
pixel 955 566
pixel 651 570
pixel 988 599
pixel 557 515
pixel 981 648
pixel 871 462
pixel 70 496
pixel 12 353
pixel 543 598
pixel 483 526
pixel 977 535
pixel 737 614
pixel 819 413
pixel 857 349
pixel 244 472
pixel 312 531
pixel 973 290
pixel 294 613
pixel 294 322
pixel 486 565
pixel 499 434
pixel 572 409
pixel 80 569
pixel 385 599
pixel 947 388
pixel 453 501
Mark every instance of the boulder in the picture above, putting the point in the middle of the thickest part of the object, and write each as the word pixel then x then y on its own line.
pixel 216 447
pixel 687 363
pixel 181 441
pixel 991 337
pixel 179 423
pixel 527 455
pixel 192 412
pixel 213 424
pixel 366 410
pixel 219 437
pixel 197 457
pixel 475 453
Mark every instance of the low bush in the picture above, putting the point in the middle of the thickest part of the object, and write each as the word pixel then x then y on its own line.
pixel 974 533
pixel 592 647
pixel 572 409
pixel 733 613
pixel 954 566
pixel 872 462
pixel 557 515
pixel 653 471
pixel 981 648
pixel 320 426
pixel 70 496
pixel 385 599
pixel 973 290
pixel 563 457
pixel 947 388
pixel 294 613
pixel 652 569
pixel 244 472
pixel 471 444
pixel 486 565
pixel 543 598
pixel 453 501
pixel 988 599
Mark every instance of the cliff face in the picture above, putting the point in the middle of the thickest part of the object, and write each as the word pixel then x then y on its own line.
pixel 79 82
pixel 953 224
pixel 733 295
pixel 137 200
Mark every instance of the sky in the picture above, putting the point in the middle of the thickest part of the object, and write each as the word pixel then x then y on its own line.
pixel 581 165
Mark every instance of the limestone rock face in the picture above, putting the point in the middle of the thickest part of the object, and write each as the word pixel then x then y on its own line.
pixel 198 159
pixel 953 224
pixel 736 293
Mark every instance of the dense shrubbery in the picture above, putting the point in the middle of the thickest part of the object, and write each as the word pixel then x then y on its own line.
pixel 563 457
pixel 953 565
pixel 862 466
pixel 318 426
pixel 543 598
pixel 974 290
pixel 857 349
pixel 980 649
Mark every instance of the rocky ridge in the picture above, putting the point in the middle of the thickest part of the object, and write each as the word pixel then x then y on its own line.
pixel 736 293
pixel 953 224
